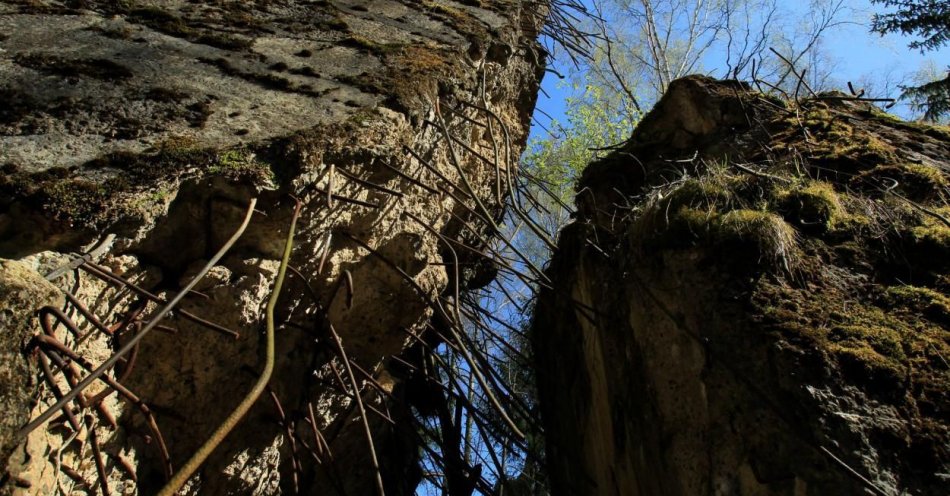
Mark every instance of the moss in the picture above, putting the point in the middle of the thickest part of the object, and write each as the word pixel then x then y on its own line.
pixel 864 148
pixel 932 237
pixel 937 131
pixel 877 372
pixel 417 59
pixel 884 351
pixel 412 74
pixel 886 116
pixel 457 18
pixel 814 206
pixel 363 116
pixel 696 193
pixel 689 224
pixel 80 202
pixel 684 215
pixel 146 202
pixel 730 214
pixel 933 130
pixel 872 330
pixel 836 142
pixel 755 236
pixel 178 154
pixel 241 163
pixel 819 120
pixel 916 181
pixel 921 301
pixel 759 233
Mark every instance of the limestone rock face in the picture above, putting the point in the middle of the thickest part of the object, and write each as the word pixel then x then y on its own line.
pixel 753 300
pixel 158 121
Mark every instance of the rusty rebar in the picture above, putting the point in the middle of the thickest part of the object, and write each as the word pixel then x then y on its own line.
pixel 359 402
pixel 368 184
pixel 179 478
pixel 291 438
pixel 319 441
pixel 57 392
pixel 111 361
pixel 104 273
pixel 97 455
pixel 123 391
pixel 411 179
pixel 96 252
pixel 346 199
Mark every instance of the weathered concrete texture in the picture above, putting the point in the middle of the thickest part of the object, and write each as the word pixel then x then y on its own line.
pixel 753 301
pixel 158 121
pixel 85 79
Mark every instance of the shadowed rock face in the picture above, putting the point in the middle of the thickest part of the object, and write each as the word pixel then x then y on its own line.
pixel 753 300
pixel 158 121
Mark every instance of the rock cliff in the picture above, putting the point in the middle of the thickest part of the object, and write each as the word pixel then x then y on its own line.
pixel 754 299
pixel 142 129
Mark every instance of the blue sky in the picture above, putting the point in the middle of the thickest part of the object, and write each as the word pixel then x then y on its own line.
pixel 856 52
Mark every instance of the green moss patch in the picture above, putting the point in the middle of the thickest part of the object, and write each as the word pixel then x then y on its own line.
pixel 767 234
pixel 930 239
pixel 699 215
pixel 830 140
pixel 886 351
pixel 241 163
pixel 139 182
pixel 916 181
pixel 78 201
pixel 457 18
pixel 814 206
pixel 920 301
pixel 411 75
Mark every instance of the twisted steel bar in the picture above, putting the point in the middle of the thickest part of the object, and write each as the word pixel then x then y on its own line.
pixel 108 364
pixel 182 476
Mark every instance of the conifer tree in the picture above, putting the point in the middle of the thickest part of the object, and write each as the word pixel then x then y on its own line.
pixel 929 20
